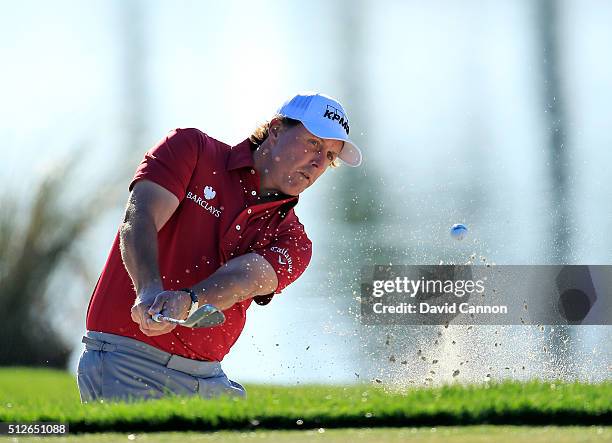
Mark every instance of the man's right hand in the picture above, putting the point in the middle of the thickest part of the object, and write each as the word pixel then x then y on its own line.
pixel 174 304
pixel 143 302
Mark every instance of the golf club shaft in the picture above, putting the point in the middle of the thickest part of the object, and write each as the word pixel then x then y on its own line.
pixel 205 316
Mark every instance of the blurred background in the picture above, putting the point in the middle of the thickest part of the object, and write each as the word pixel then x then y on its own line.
pixel 492 114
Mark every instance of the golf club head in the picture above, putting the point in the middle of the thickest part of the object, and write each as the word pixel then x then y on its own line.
pixel 204 317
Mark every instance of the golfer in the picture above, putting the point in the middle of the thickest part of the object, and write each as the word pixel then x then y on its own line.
pixel 205 224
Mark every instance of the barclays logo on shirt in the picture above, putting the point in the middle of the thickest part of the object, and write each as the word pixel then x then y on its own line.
pixel 209 194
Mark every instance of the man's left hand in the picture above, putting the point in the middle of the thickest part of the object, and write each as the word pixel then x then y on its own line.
pixel 175 304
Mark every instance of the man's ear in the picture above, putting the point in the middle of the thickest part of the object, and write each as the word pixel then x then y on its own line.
pixel 275 128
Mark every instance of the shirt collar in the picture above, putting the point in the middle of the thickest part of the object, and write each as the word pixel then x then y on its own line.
pixel 241 156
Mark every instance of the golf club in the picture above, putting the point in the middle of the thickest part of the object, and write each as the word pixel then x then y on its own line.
pixel 204 317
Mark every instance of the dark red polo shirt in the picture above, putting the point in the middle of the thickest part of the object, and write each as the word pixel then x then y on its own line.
pixel 218 218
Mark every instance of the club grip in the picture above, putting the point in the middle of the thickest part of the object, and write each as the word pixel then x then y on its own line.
pixel 159 318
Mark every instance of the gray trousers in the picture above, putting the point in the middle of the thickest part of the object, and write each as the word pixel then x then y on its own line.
pixel 113 367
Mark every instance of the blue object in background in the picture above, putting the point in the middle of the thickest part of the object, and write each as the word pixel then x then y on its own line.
pixel 458 231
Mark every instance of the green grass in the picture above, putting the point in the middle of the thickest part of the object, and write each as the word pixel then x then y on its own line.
pixel 27 395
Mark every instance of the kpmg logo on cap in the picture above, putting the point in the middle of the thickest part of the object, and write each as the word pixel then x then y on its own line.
pixel 335 114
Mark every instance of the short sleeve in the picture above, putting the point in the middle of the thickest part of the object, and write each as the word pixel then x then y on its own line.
pixel 289 254
pixel 172 161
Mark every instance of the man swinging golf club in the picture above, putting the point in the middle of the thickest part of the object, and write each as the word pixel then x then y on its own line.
pixel 208 228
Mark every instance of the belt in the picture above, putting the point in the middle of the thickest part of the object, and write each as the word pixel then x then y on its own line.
pixel 103 341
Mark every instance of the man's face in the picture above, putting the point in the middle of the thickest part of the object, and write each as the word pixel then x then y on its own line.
pixel 297 158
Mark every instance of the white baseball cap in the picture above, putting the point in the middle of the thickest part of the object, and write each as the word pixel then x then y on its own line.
pixel 324 117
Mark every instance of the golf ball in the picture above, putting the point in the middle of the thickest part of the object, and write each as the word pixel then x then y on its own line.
pixel 458 231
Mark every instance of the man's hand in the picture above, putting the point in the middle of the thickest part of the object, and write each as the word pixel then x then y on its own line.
pixel 174 304
pixel 143 302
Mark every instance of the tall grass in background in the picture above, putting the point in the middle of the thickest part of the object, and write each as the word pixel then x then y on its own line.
pixel 39 228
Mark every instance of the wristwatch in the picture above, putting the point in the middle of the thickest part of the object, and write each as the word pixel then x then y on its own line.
pixel 194 299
